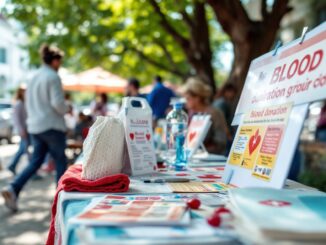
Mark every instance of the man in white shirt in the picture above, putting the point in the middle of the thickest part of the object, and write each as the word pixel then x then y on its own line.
pixel 46 107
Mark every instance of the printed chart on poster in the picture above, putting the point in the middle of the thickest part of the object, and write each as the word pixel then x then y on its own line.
pixel 285 80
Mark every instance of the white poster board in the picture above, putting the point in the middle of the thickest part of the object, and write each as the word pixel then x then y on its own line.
pixel 296 75
pixel 197 132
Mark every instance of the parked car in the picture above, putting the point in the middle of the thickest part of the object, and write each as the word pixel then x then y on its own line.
pixel 6 122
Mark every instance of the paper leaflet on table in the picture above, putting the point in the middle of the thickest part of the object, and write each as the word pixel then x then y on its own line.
pixel 200 187
pixel 199 233
pixel 301 215
pixel 125 211
pixel 200 174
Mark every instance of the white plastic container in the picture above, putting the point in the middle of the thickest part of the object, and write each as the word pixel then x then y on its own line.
pixel 136 115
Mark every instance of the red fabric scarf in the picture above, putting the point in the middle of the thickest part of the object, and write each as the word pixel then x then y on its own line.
pixel 72 181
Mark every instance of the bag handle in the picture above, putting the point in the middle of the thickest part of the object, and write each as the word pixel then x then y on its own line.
pixel 128 102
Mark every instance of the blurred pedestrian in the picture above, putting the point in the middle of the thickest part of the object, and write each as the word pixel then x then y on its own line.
pixel 99 106
pixel 159 99
pixel 46 107
pixel 321 125
pixel 198 96
pixel 83 124
pixel 132 88
pixel 19 118
pixel 224 102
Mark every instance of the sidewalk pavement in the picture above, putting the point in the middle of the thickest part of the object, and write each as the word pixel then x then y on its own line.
pixel 30 224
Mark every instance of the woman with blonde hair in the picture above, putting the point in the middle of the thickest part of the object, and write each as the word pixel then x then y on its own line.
pixel 198 96
pixel 19 118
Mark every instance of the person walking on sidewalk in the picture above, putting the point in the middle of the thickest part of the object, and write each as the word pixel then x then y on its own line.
pixel 19 118
pixel 46 107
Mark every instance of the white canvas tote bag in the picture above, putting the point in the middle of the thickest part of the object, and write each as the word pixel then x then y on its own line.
pixel 104 148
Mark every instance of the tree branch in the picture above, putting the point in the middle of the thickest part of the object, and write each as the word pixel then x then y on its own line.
pixel 187 19
pixel 280 8
pixel 153 62
pixel 185 16
pixel 167 26
pixel 239 11
pixel 263 9
pixel 165 50
pixel 232 16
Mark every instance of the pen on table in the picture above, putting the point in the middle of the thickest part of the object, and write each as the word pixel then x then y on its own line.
pixel 165 180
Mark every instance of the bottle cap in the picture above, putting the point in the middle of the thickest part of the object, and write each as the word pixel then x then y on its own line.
pixel 159 130
pixel 177 105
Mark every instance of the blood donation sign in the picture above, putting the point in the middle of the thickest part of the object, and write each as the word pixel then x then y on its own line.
pixel 258 139
pixel 197 132
pixel 272 109
pixel 139 137
pixel 297 74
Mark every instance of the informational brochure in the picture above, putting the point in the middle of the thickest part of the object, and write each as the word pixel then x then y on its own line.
pixel 199 232
pixel 292 215
pixel 125 211
pixel 258 138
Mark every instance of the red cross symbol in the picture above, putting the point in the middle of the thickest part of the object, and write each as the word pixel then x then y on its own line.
pixel 275 203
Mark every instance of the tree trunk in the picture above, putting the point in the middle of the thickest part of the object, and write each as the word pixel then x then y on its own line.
pixel 253 45
pixel 199 53
pixel 204 70
pixel 250 38
pixel 197 47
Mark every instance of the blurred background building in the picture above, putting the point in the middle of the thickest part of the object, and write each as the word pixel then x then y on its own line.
pixel 13 58
pixel 305 13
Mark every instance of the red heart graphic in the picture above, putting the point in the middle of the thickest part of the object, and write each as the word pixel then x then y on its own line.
pixel 254 142
pixel 182 174
pixel 209 176
pixel 192 135
pixel 132 136
pixel 148 136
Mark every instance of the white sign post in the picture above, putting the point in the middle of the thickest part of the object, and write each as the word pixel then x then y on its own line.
pixel 295 75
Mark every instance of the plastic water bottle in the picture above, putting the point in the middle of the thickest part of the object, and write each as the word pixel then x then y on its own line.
pixel 176 130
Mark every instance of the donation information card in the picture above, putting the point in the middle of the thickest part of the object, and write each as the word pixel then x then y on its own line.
pixel 258 139
pixel 197 131
pixel 139 136
pixel 140 145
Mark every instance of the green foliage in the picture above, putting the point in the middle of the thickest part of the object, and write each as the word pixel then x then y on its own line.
pixel 123 36
pixel 315 179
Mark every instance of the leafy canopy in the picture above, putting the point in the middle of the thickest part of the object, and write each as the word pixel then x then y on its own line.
pixel 123 36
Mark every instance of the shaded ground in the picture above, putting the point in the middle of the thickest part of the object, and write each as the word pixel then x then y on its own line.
pixel 30 224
